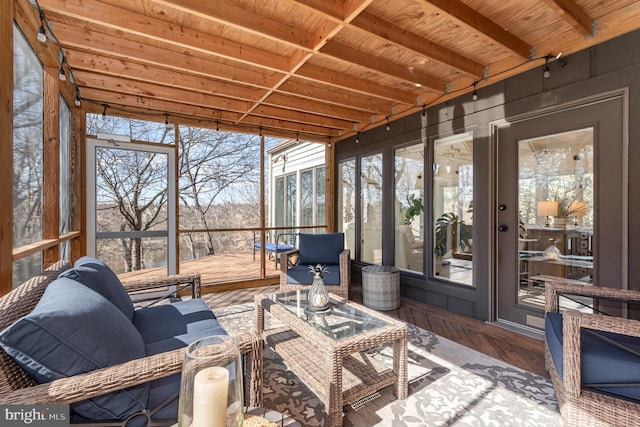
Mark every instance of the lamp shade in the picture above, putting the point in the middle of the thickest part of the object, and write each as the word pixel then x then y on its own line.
pixel 577 209
pixel 548 208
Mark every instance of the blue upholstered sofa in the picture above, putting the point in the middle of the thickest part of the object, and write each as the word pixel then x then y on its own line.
pixel 76 334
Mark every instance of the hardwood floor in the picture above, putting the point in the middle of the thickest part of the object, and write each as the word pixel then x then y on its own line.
pixel 519 350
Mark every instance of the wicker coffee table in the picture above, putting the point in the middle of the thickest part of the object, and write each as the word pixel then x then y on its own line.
pixel 327 349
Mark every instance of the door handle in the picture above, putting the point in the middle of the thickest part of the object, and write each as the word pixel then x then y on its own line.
pixel 503 228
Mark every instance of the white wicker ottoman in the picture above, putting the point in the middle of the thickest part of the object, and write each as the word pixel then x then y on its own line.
pixel 381 287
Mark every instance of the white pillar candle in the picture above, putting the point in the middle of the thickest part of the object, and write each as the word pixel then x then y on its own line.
pixel 210 390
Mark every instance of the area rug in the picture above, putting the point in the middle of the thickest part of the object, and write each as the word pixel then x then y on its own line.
pixel 449 385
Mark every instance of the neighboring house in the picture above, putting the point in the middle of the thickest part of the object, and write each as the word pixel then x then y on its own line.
pixel 297 183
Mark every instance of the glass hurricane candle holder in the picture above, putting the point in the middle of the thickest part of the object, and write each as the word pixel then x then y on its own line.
pixel 211 391
pixel 318 297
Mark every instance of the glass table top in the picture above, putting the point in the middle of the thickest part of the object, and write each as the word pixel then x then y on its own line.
pixel 340 320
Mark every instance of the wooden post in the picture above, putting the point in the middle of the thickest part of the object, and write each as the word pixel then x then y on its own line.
pixel 77 183
pixel 6 146
pixel 330 187
pixel 51 167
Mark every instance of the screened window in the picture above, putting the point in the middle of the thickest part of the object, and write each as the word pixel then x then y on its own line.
pixel 28 86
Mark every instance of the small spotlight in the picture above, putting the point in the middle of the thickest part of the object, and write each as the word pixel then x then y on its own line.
pixel 77 101
pixel 475 92
pixel 104 111
pixel 61 75
pixel 388 125
pixel 545 71
pixel 358 138
pixel 42 34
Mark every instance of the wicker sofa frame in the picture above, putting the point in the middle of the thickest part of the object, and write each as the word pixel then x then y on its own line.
pixel 18 388
pixel 580 406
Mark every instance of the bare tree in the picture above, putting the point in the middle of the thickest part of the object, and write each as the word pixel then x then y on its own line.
pixel 139 195
pixel 216 169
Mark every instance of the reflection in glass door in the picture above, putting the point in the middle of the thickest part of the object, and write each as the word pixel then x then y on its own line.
pixel 409 208
pixel 452 206
pixel 555 208
pixel 371 209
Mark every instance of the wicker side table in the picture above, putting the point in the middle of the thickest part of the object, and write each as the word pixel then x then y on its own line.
pixel 381 287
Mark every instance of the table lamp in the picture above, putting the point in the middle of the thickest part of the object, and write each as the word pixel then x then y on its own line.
pixel 547 208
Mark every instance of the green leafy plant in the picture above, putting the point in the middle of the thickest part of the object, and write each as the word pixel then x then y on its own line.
pixel 449 222
pixel 414 209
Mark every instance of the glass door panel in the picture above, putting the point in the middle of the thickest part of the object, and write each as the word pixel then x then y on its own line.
pixel 131 206
pixel 371 209
pixel 347 203
pixel 409 209
pixel 555 207
pixel 452 206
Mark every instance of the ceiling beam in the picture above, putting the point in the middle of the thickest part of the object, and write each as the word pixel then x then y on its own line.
pixel 335 96
pixel 91 62
pixel 288 108
pixel 127 102
pixel 418 45
pixel 144 89
pixel 126 22
pixel 351 83
pixel 244 20
pixel 313 107
pixel 480 23
pixel 107 45
pixel 382 66
pixel 576 16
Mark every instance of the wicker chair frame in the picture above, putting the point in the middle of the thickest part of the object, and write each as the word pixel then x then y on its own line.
pixel 580 406
pixel 345 273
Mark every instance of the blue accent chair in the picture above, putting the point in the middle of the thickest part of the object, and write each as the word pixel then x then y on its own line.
pixel 326 249
pixel 593 359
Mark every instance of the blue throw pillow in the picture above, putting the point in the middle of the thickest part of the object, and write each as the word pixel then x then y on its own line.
pixel 320 248
pixel 73 330
pixel 98 276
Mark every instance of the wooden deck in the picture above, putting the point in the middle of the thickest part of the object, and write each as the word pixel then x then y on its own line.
pixel 230 279
pixel 222 271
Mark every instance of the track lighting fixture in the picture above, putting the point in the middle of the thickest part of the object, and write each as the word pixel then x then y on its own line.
pixel 388 125
pixel 61 75
pixel 217 125
pixel 475 92
pixel 358 138
pixel 104 111
pixel 167 125
pixel 77 101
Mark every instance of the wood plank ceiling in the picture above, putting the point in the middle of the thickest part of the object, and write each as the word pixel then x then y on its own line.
pixel 319 70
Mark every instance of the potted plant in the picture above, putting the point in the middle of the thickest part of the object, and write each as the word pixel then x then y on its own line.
pixel 414 209
pixel 450 221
